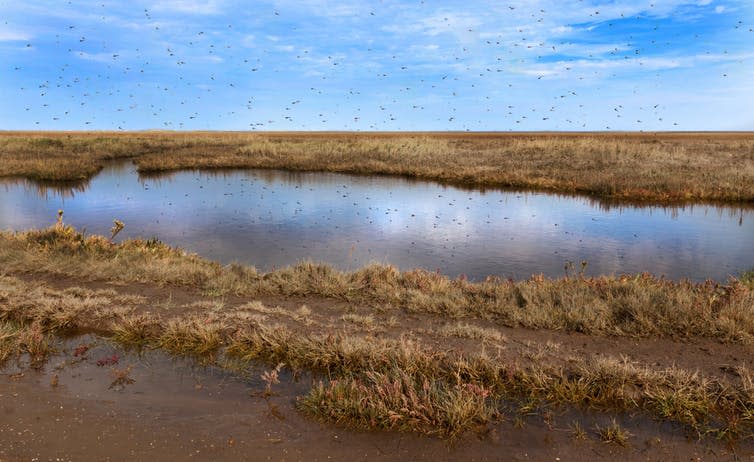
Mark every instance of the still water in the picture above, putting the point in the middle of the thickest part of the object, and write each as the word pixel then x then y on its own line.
pixel 270 219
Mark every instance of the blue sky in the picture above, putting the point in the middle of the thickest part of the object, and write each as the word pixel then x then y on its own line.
pixel 377 65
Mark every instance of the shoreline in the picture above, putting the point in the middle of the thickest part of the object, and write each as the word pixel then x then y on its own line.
pixel 661 169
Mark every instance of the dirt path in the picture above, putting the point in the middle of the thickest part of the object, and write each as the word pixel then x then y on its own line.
pixel 708 356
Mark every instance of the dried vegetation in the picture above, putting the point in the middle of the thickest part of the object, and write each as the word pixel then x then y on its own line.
pixel 634 166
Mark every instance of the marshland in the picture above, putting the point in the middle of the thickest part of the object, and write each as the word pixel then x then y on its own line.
pixel 659 167
pixel 381 289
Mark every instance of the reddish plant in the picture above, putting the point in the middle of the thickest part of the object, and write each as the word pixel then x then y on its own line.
pixel 82 349
pixel 108 360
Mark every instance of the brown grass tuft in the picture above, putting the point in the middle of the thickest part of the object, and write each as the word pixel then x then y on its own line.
pixel 395 400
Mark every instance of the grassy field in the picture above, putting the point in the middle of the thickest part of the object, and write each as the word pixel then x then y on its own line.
pixel 660 167
pixel 411 351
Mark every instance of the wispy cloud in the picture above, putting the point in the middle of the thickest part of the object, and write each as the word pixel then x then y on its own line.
pixel 328 8
pixel 387 64
pixel 565 69
pixel 102 57
pixel 14 36
pixel 207 7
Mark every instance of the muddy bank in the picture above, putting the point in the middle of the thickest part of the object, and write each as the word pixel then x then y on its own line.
pixel 176 410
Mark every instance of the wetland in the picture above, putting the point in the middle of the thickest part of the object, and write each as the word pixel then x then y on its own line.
pixel 274 218
pixel 270 307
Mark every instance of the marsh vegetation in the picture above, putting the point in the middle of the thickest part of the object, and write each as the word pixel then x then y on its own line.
pixel 637 166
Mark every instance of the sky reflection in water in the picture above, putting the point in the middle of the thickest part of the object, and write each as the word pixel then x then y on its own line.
pixel 271 219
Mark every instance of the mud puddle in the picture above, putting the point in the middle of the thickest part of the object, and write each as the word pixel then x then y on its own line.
pixel 94 401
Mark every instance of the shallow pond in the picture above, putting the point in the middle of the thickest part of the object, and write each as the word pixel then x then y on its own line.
pixel 270 218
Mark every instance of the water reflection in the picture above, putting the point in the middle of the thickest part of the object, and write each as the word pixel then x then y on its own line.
pixel 271 218
pixel 46 189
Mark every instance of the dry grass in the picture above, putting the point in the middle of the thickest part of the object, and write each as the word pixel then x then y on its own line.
pixel 302 314
pixel 613 433
pixel 195 337
pixel 747 278
pixel 637 306
pixel 35 342
pixel 653 167
pixel 366 321
pixel 466 330
pixel 577 430
pixel 136 331
pixel 9 333
pixel 395 400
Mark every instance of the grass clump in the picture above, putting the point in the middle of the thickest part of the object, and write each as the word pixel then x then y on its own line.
pixel 136 331
pixel 747 278
pixel 33 341
pixel 614 433
pixel 466 330
pixel 577 431
pixel 193 337
pixel 366 321
pixel 9 334
pixel 395 400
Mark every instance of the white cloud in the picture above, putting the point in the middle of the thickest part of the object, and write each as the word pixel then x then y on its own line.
pixel 459 24
pixel 580 49
pixel 249 41
pixel 559 30
pixel 286 48
pixel 13 36
pixel 566 69
pixel 97 57
pixel 188 6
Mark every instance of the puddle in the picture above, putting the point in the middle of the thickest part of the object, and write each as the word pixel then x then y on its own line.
pixel 270 219
pixel 92 368
pixel 173 409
